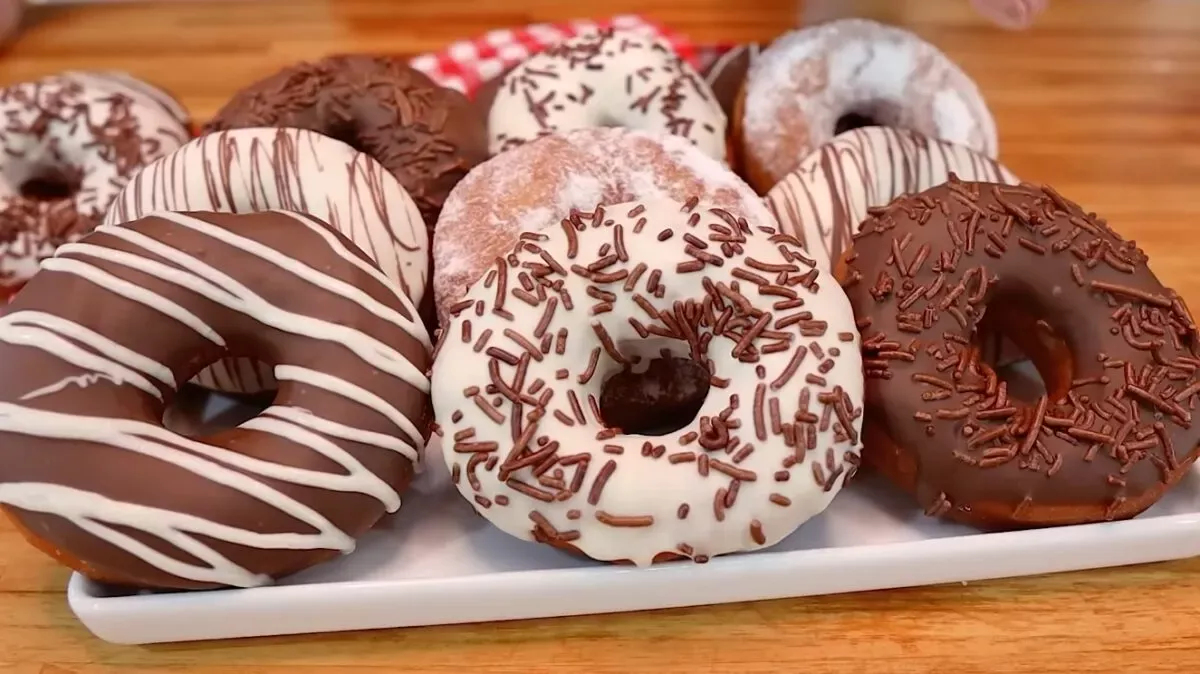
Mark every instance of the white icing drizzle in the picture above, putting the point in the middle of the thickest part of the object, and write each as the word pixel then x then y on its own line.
pixel 824 201
pixel 255 170
pixel 617 78
pixel 101 358
pixel 789 385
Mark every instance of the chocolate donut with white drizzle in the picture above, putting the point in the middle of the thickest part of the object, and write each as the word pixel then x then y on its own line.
pixel 525 362
pixel 95 347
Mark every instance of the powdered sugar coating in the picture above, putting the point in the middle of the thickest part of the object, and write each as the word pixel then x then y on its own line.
pixel 536 185
pixel 606 78
pixel 805 81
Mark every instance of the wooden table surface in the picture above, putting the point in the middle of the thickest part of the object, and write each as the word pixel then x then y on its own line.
pixel 1101 99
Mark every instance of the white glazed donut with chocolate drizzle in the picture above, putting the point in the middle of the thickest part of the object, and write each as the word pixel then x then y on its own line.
pixel 522 369
pixel 833 189
pixel 96 346
pixel 68 144
pixel 251 170
pixel 606 78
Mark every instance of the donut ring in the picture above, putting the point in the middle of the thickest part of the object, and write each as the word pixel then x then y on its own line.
pixel 69 143
pixel 251 170
pixel 1118 352
pixel 425 135
pixel 617 289
pixel 84 382
pixel 530 187
pixel 807 81
pixel 834 188
pixel 609 78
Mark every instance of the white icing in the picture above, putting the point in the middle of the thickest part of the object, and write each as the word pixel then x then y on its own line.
pixel 633 81
pixel 798 88
pixel 642 486
pixel 101 359
pixel 250 170
pixel 73 106
pixel 824 201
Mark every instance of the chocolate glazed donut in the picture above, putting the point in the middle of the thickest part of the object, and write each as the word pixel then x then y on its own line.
pixel 1117 351
pixel 95 347
pixel 427 136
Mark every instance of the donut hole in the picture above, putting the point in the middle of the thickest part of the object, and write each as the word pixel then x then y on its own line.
pixel 662 399
pixel 347 131
pixel 197 412
pixel 868 113
pixel 1018 341
pixel 851 121
pixel 52 185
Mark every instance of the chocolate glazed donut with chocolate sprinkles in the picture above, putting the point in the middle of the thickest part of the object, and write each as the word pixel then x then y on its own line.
pixel 427 136
pixel 1117 353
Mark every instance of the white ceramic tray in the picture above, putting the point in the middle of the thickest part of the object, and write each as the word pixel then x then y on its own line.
pixel 437 562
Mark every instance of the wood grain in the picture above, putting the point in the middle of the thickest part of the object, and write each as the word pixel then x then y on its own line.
pixel 1101 99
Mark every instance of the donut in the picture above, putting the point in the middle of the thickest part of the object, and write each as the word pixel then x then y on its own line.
pixel 608 78
pixel 536 185
pixel 520 376
pixel 68 144
pixel 96 346
pixel 1118 354
pixel 250 170
pixel 726 73
pixel 425 135
pixel 834 188
pixel 811 84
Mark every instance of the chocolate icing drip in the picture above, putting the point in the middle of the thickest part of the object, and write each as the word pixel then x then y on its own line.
pixel 1119 354
pixel 427 136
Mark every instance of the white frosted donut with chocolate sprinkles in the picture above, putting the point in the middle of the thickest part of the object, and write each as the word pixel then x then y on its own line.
pixel 606 78
pixel 522 367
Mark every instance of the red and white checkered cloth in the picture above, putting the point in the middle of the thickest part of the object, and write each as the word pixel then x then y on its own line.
pixel 465 65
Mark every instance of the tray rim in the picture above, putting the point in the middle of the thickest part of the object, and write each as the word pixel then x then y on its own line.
pixel 772 574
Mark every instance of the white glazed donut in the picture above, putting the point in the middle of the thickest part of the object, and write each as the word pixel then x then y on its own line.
pixel 253 170
pixel 807 81
pixel 68 144
pixel 533 186
pixel 524 361
pixel 827 197
pixel 607 78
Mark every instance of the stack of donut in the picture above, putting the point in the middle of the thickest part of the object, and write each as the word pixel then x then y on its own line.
pixel 645 312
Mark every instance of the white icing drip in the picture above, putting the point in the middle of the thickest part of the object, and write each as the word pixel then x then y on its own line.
pixel 80 380
pixel 100 357
pixel 349 391
pixel 46 332
pixel 105 279
pixel 204 279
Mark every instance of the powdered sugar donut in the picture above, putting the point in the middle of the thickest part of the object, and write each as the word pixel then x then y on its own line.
pixel 536 185
pixel 68 144
pixel 521 379
pixel 809 84
pixel 831 192
pixel 253 170
pixel 606 78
